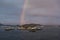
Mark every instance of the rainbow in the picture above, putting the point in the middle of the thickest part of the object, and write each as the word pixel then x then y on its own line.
pixel 22 20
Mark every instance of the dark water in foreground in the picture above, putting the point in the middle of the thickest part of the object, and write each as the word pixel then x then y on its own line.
pixel 48 33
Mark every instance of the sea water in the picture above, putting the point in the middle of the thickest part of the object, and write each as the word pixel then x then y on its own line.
pixel 48 33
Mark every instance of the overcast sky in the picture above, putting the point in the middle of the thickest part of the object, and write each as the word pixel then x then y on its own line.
pixel 10 11
pixel 38 11
pixel 43 11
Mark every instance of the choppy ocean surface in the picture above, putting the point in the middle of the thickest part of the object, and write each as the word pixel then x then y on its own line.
pixel 48 33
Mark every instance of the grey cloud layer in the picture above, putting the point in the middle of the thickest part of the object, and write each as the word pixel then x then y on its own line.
pixel 36 12
pixel 10 11
pixel 43 11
